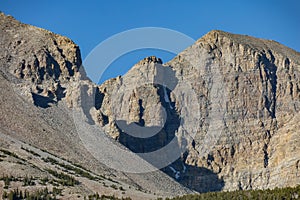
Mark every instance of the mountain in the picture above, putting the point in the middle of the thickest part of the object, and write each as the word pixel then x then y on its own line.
pixel 231 100
pixel 222 115
pixel 41 77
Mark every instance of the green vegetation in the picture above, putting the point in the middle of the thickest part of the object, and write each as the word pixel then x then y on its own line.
pixel 44 181
pixel 7 180
pixel 2 156
pixel 121 188
pixel 104 184
pixel 96 196
pixel 63 179
pixel 76 170
pixel 112 180
pixel 50 160
pixel 277 193
pixel 12 154
pixel 28 181
pixel 57 191
pixel 114 186
pixel 30 151
pixel 38 195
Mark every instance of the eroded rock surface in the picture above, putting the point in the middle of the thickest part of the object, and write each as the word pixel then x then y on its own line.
pixel 231 101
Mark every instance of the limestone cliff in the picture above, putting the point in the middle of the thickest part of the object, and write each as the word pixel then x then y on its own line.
pixel 240 98
pixel 41 83
pixel 229 105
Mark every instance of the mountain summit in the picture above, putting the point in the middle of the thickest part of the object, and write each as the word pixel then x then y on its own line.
pixel 233 100
pixel 227 108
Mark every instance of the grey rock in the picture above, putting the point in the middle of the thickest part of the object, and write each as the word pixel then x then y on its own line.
pixel 228 106
pixel 233 102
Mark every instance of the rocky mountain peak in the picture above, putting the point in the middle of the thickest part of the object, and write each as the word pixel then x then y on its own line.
pixel 244 92
pixel 148 65
pixel 224 40
pixel 232 101
pixel 150 59
pixel 36 54
pixel 41 62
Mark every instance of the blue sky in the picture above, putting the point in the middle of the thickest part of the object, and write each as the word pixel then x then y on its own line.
pixel 88 23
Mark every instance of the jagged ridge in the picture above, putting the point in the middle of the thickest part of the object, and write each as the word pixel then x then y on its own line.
pixel 240 123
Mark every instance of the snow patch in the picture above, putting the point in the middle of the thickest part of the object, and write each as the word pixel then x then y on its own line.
pixel 173 170
pixel 184 168
pixel 166 97
pixel 177 173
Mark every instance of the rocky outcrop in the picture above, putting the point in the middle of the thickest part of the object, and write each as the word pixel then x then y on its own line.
pixel 44 60
pixel 228 108
pixel 232 100
pixel 256 104
pixel 42 85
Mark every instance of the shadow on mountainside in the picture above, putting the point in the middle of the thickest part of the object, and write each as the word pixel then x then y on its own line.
pixel 202 180
pixel 41 101
pixel 51 97
pixel 164 149
pixel 199 179
pixel 152 149
pixel 131 135
pixel 164 135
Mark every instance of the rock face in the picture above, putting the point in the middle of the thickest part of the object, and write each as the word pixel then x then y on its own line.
pixel 256 105
pixel 232 100
pixel 45 60
pixel 41 83
pixel 229 105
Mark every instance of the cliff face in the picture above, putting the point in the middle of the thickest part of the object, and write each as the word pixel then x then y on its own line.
pixel 232 100
pixel 41 83
pixel 44 61
pixel 257 103
pixel 227 108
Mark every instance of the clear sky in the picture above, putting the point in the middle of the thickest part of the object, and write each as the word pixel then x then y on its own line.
pixel 88 23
